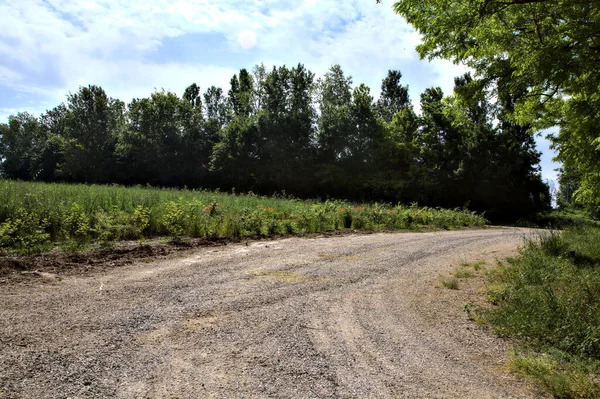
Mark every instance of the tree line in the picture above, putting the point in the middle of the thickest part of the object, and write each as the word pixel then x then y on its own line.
pixel 283 130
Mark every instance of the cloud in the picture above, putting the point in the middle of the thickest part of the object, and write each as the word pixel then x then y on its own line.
pixel 60 44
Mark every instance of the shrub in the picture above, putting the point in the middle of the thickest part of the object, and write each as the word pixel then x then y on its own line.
pixel 25 234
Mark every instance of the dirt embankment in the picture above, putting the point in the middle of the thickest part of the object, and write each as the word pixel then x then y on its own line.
pixel 358 316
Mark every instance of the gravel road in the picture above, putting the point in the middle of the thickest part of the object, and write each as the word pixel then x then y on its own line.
pixel 359 316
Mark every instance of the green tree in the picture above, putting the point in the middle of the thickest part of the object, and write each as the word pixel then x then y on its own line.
pixel 335 99
pixel 545 52
pixel 235 156
pixel 286 128
pixel 394 96
pixel 152 145
pixel 93 122
pixel 397 173
pixel 490 165
pixel 241 94
pixel 54 123
pixel 347 137
pixel 192 95
pixel 215 107
pixel 22 143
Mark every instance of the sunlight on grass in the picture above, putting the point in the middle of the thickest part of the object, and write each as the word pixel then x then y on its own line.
pixel 36 216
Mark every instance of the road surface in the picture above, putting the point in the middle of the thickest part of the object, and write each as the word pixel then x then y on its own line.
pixel 359 316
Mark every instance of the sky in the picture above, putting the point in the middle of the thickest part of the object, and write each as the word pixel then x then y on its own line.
pixel 49 48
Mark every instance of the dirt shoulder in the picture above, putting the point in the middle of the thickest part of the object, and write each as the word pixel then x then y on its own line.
pixel 338 317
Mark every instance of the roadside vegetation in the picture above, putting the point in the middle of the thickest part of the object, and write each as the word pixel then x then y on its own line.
pixel 35 217
pixel 548 301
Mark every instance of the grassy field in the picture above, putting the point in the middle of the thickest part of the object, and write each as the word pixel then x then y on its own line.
pixel 34 217
pixel 548 300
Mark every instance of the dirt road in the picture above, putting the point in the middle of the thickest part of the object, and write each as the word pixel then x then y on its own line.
pixel 359 316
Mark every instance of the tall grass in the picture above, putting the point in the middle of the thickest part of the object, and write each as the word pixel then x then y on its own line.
pixel 83 213
pixel 549 300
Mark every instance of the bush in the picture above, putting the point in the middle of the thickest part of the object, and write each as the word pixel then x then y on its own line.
pixel 25 234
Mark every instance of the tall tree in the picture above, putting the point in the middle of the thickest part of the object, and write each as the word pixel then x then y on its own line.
pixel 335 98
pixel 22 143
pixel 241 94
pixel 548 49
pixel 287 128
pixel 215 106
pixel 93 122
pixel 53 122
pixel 394 96
pixel 192 95
pixel 152 145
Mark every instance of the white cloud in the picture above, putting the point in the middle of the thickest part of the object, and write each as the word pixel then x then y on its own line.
pixel 87 39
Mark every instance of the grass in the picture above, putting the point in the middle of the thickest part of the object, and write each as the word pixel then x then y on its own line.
pixel 559 219
pixel 565 379
pixel 548 301
pixel 476 265
pixel 463 273
pixel 450 283
pixel 34 217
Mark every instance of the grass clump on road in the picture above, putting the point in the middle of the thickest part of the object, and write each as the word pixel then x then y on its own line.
pixel 548 299
pixel 450 283
pixel 35 216
pixel 463 273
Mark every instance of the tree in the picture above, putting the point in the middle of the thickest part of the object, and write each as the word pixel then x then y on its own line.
pixel 286 128
pixel 192 95
pixel 396 175
pixel 22 143
pixel 152 145
pixel 499 165
pixel 335 98
pixel 53 122
pixel 394 96
pixel 544 51
pixel 215 106
pixel 93 122
pixel 241 94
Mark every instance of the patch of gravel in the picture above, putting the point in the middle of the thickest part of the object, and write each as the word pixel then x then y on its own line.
pixel 358 316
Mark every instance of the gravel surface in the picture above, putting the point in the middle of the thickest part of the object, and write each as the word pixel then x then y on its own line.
pixel 360 316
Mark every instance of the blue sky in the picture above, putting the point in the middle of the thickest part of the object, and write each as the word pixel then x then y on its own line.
pixel 130 48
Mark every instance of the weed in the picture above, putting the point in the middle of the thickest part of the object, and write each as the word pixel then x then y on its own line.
pixel 478 265
pixel 25 233
pixel 450 283
pixel 564 380
pixel 463 273
pixel 549 300
pixel 78 214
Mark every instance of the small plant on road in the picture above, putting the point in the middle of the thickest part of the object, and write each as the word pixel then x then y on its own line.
pixel 450 283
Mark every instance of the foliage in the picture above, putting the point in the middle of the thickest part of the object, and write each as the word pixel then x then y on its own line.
pixel 25 233
pixel 78 214
pixel 544 53
pixel 22 145
pixel 451 283
pixel 549 300
pixel 91 124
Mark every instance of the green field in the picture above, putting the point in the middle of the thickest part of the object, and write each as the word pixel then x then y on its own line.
pixel 35 217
